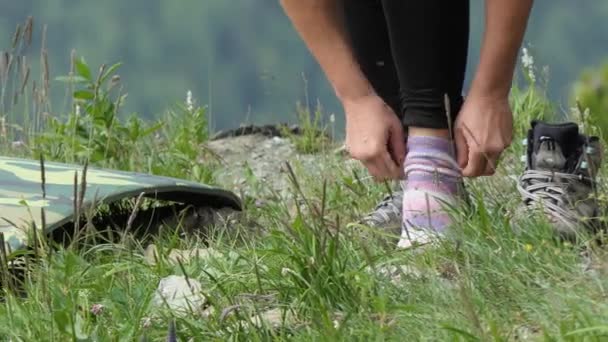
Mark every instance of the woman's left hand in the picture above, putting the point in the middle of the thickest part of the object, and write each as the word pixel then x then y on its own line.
pixel 482 131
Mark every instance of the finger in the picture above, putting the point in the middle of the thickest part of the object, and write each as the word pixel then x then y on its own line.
pixel 492 164
pixel 397 144
pixel 476 164
pixel 372 169
pixel 377 169
pixel 462 148
pixel 394 169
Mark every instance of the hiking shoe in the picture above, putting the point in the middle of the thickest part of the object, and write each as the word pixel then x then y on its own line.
pixel 560 176
pixel 387 213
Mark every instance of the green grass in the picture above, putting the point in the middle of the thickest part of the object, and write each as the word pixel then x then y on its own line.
pixel 590 91
pixel 486 282
pixel 314 137
pixel 483 283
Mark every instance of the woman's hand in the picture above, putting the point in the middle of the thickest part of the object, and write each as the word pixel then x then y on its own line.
pixel 482 131
pixel 484 127
pixel 374 136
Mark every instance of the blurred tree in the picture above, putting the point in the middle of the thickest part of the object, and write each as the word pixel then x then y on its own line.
pixel 244 59
pixel 591 90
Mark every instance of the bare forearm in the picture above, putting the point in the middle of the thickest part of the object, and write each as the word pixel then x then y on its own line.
pixel 506 22
pixel 319 24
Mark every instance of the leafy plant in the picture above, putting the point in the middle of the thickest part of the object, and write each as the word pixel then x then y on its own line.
pixel 312 137
pixel 23 99
pixel 182 150
pixel 529 100
pixel 591 91
pixel 93 130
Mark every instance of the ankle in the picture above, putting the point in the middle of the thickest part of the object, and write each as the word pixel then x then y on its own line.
pixel 428 132
pixel 430 165
pixel 437 151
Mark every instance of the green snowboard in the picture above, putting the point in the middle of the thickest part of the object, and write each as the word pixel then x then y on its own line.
pixel 21 194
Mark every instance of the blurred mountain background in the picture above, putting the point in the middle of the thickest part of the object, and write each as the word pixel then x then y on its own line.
pixel 244 60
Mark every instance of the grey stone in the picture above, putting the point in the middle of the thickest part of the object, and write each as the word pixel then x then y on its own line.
pixel 181 295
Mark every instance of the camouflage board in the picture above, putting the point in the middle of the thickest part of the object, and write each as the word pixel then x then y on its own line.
pixel 21 197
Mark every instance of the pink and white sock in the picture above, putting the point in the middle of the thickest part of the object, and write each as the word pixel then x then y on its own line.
pixel 432 178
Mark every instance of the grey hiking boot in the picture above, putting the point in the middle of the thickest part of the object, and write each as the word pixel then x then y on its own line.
pixel 387 214
pixel 560 177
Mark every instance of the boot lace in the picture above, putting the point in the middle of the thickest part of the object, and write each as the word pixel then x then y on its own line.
pixel 548 189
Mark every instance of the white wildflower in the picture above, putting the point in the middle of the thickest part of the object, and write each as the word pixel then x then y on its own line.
pixel 531 75
pixel 17 144
pixel 546 71
pixel 3 132
pixel 528 62
pixel 77 110
pixel 332 118
pixel 146 322
pixel 189 102
pixel 285 271
pixel 526 59
pixel 97 309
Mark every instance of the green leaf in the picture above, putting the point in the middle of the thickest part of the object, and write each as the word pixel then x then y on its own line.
pixel 152 129
pixel 591 330
pixel 110 71
pixel 461 333
pixel 78 327
pixel 71 79
pixel 83 70
pixel 83 95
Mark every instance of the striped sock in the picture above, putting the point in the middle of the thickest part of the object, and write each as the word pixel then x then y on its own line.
pixel 432 177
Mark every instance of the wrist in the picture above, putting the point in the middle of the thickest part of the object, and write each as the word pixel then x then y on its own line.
pixel 495 104
pixel 348 81
pixel 490 90
pixel 353 90
pixel 494 75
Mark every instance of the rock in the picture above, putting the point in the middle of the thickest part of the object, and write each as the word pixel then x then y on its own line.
pixel 273 319
pixel 266 130
pixel 527 333
pixel 395 273
pixel 265 157
pixel 184 255
pixel 151 254
pixel 18 145
pixel 181 295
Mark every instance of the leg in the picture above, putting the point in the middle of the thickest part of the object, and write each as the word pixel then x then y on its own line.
pixel 429 41
pixel 367 29
pixel 366 24
pixel 429 44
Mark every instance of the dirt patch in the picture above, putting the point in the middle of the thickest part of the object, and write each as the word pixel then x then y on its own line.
pixel 263 155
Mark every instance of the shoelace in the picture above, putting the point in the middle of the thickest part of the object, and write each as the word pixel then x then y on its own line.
pixel 549 189
pixel 385 208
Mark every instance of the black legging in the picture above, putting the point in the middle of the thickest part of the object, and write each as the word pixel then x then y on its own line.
pixel 413 52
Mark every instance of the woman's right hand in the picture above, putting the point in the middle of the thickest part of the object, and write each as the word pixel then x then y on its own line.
pixel 374 136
